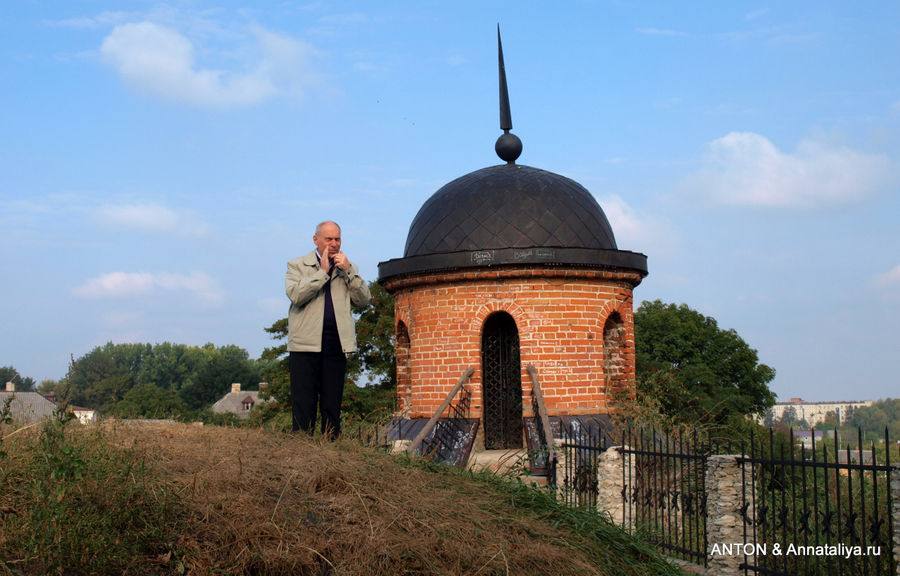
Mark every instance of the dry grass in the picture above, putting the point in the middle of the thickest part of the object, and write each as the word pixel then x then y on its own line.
pixel 252 501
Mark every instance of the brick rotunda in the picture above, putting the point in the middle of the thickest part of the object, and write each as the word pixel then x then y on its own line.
pixel 506 267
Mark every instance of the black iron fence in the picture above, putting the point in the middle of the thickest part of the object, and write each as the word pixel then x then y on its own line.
pixel 803 506
pixel 813 508
pixel 664 491
pixel 579 471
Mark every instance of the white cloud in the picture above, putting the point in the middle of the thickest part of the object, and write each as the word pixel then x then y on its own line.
pixel 743 168
pixel 639 233
pixel 116 284
pixel 134 284
pixel 153 218
pixel 162 62
pixel 889 283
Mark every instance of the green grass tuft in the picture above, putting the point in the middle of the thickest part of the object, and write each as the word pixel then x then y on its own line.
pixel 75 504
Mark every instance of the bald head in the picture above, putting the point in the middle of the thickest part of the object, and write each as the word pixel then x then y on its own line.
pixel 321 224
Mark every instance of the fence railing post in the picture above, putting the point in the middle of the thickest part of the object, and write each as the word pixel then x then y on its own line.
pixel 724 522
pixel 611 485
pixel 562 456
pixel 895 514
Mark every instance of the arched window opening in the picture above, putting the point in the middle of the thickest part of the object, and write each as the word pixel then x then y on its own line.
pixel 615 357
pixel 404 384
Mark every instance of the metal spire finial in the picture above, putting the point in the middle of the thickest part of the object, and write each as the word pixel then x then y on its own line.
pixel 505 115
pixel 508 146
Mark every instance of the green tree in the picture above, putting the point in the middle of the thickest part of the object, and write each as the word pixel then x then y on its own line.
pixel 149 401
pixel 10 374
pixel 51 386
pixel 874 419
pixel 375 336
pixel 96 382
pixel 212 380
pixel 198 376
pixel 170 366
pixel 276 369
pixel 790 418
pixel 828 422
pixel 691 370
pixel 130 357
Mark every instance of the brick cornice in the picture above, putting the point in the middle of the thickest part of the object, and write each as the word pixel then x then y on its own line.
pixel 502 273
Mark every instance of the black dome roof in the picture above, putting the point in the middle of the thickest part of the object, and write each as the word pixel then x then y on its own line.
pixel 510 214
pixel 509 206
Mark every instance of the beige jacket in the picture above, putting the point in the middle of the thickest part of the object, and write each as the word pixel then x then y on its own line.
pixel 305 286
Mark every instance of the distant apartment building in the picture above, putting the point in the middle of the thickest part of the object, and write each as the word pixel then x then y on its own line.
pixel 814 412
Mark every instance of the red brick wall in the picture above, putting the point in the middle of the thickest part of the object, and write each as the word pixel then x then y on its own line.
pixel 575 326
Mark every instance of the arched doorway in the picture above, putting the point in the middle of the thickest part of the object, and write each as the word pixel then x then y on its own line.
pixel 502 383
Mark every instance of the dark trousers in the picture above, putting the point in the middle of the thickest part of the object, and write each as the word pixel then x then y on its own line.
pixel 317 381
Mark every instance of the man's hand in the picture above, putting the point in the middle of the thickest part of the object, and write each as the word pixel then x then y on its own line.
pixel 341 261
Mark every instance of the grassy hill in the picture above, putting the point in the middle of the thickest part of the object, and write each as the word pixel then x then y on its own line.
pixel 167 498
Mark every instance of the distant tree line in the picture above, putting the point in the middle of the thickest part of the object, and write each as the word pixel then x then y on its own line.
pixel 873 420
pixel 156 380
pixel 880 415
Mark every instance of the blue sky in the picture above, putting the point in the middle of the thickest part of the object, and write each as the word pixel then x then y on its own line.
pixel 161 162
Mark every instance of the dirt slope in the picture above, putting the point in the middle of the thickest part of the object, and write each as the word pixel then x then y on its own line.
pixel 260 502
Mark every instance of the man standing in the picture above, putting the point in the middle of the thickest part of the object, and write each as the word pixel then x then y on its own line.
pixel 321 329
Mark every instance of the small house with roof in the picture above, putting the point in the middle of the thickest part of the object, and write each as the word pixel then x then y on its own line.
pixel 238 402
pixel 25 407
